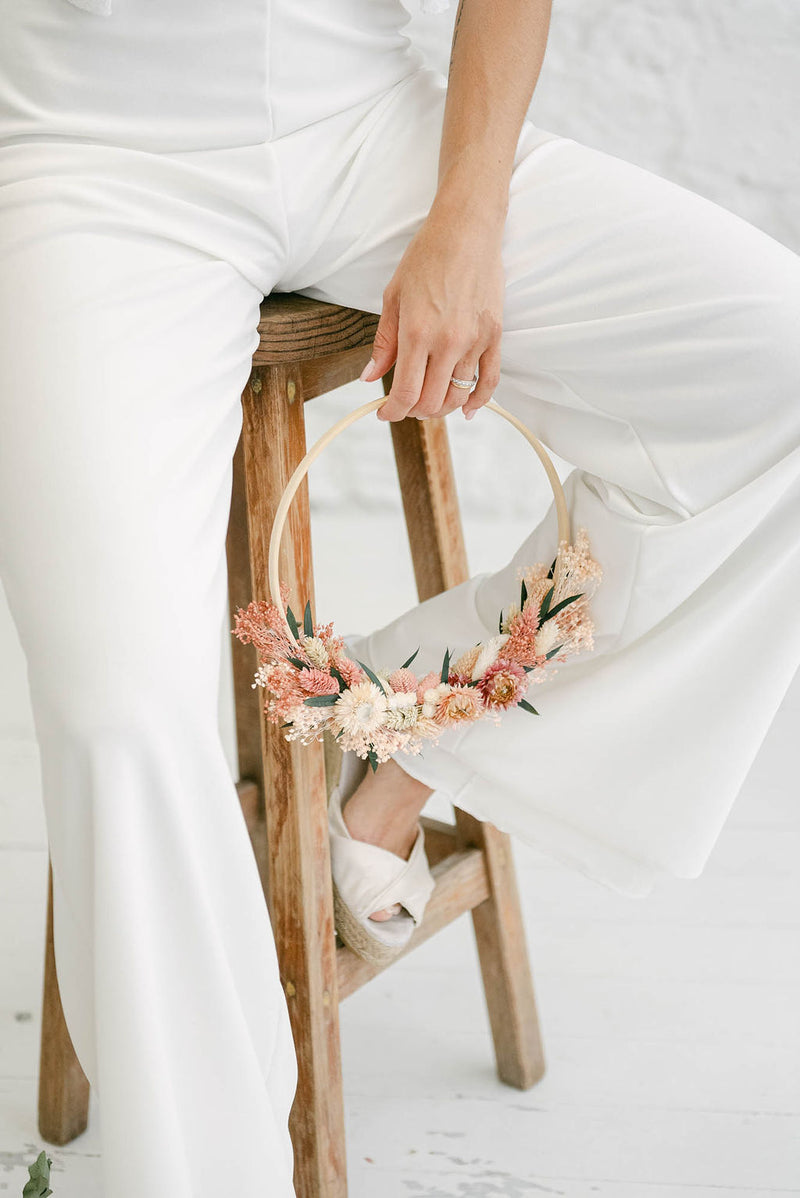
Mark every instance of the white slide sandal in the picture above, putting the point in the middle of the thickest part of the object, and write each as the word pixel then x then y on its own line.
pixel 368 878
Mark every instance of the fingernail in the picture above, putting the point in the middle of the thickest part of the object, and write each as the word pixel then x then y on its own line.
pixel 368 369
pixel 469 415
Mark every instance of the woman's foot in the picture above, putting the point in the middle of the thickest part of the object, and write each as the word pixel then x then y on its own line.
pixel 384 809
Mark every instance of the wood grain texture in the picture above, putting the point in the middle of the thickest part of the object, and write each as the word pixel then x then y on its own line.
pixel 295 329
pixel 300 895
pixel 63 1087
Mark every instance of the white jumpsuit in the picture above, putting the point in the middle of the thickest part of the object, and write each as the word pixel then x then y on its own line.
pixel 162 167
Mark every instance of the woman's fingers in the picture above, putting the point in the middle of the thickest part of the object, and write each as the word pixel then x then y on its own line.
pixel 488 378
pixel 384 345
pixel 438 395
pixel 409 376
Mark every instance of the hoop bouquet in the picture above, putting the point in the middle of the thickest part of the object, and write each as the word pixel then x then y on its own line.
pixel 314 685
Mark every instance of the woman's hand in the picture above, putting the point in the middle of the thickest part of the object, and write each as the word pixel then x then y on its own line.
pixel 442 316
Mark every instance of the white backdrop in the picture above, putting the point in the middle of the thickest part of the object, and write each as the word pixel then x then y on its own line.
pixel 705 92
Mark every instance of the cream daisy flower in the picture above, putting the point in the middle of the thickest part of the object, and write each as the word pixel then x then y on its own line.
pixel 361 709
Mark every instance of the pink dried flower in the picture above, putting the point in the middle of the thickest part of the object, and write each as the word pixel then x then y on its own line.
pixel 403 680
pixel 350 670
pixel 318 682
pixel 503 684
pixel 426 683
pixel 520 646
pixel 262 625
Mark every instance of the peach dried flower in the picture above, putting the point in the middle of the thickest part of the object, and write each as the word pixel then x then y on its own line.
pixel 503 684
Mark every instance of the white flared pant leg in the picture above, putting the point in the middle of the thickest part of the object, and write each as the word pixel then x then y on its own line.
pixel 123 354
pixel 652 339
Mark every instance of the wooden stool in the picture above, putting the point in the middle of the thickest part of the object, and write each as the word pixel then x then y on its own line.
pixel 308 348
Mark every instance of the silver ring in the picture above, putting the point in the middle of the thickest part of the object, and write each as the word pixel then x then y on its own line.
pixel 466 384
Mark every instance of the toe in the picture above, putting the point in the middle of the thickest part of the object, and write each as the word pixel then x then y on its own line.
pixel 386 913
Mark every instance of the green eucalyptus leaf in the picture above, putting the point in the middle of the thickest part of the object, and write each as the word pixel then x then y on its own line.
pixel 339 678
pixel 406 664
pixel 445 666
pixel 500 621
pixel 292 622
pixel 523 595
pixel 553 652
pixel 527 706
pixel 372 676
pixel 308 623
pixel 545 605
pixel 301 665
pixel 552 567
pixel 321 700
pixel 570 599
pixel 373 759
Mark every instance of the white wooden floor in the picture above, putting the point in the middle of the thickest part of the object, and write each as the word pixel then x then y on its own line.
pixel 670 1024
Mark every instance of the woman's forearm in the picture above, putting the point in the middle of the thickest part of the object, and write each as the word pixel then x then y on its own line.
pixel 495 60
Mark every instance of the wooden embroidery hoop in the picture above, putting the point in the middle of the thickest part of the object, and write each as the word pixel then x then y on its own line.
pixel 349 418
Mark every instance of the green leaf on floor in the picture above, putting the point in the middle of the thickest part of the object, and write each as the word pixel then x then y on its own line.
pixel 39 1172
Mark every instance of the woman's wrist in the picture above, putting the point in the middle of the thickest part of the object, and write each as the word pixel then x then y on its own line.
pixel 476 202
pixel 475 180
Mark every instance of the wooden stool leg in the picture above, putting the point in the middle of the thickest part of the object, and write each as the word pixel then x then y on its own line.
pixel 63 1088
pixel 244 659
pixel 503 953
pixel 301 898
pixel 427 484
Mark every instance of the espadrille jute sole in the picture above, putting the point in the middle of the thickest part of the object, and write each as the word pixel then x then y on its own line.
pixel 356 937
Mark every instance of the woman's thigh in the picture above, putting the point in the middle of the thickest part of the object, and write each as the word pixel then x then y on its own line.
pixel 123 361
pixel 651 337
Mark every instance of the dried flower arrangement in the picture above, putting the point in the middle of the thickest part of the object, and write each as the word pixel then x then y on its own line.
pixel 314 685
